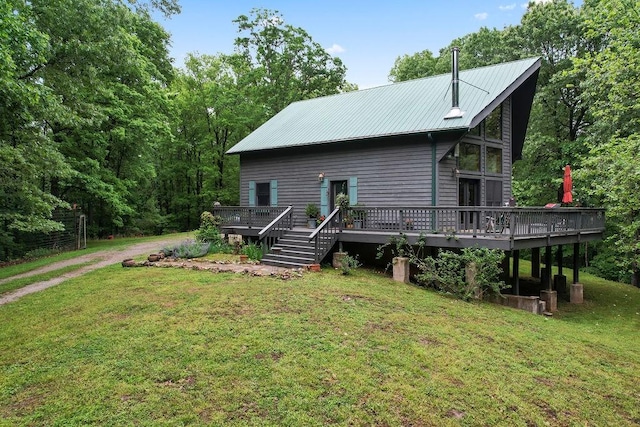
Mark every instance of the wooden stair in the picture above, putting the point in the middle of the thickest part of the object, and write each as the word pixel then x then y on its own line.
pixel 293 250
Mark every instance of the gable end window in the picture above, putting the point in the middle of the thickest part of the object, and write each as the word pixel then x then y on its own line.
pixel 494 160
pixel 469 157
pixel 493 125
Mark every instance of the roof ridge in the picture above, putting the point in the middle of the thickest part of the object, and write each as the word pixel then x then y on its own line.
pixel 484 67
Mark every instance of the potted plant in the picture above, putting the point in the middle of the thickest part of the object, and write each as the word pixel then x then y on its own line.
pixel 312 212
pixel 342 202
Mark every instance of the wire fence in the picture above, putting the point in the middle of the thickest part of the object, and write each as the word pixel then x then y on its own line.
pixel 74 236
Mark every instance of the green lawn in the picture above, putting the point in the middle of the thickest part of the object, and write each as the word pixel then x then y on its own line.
pixel 175 347
pixel 92 246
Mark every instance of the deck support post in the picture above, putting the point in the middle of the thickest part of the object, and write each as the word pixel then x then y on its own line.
pixel 549 296
pixel 576 294
pixel 546 279
pixel 576 262
pixel 560 281
pixel 506 265
pixel 535 263
pixel 516 271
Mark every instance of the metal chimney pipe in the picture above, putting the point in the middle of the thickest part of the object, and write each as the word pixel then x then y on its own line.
pixel 455 82
pixel 455 111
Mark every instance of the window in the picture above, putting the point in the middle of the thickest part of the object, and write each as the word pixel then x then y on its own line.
pixel 263 194
pixel 476 131
pixel 494 160
pixel 469 157
pixel 493 124
pixel 494 193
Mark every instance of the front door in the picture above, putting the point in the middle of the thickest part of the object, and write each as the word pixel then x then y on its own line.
pixel 337 187
pixel 468 195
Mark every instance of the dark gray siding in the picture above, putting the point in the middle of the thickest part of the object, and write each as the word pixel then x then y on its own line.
pixel 390 172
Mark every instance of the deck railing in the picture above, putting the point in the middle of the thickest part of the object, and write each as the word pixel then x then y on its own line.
pixel 250 217
pixel 459 220
pixel 326 234
pixel 270 234
pixel 476 220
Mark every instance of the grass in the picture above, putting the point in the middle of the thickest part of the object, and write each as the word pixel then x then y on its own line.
pixel 22 282
pixel 92 246
pixel 175 347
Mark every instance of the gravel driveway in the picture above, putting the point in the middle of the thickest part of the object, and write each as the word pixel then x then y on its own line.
pixel 98 259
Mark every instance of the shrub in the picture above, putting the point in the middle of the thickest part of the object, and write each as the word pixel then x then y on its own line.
pixel 348 264
pixel 191 249
pixel 253 251
pixel 447 272
pixel 399 246
pixel 208 231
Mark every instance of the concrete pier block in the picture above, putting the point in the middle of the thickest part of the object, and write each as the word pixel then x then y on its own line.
pixel 551 300
pixel 576 296
pixel 401 269
pixel 337 259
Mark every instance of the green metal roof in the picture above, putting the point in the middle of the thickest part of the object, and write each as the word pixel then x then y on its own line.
pixel 415 106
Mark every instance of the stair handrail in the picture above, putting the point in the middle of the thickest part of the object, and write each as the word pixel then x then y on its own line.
pixel 269 235
pixel 328 228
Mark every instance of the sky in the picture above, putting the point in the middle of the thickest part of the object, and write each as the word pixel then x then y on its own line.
pixel 367 36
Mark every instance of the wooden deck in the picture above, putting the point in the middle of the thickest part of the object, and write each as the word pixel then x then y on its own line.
pixel 508 228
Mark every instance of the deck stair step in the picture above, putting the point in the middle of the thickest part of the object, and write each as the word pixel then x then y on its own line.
pixel 293 250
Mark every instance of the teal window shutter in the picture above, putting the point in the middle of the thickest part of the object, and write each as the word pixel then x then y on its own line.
pixel 353 190
pixel 273 194
pixel 324 198
pixel 252 193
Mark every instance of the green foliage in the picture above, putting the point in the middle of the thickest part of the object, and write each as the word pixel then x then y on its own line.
pixel 189 249
pixel 208 231
pixel 312 211
pixel 448 272
pixel 342 202
pixel 253 251
pixel 349 263
pixel 40 253
pixel 286 65
pixel 408 67
pixel 398 245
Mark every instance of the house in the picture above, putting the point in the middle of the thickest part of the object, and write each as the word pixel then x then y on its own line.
pixel 432 155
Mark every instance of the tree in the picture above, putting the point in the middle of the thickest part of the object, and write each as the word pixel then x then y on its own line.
pixel 108 66
pixel 28 157
pixel 408 67
pixel 611 88
pixel 82 103
pixel 555 137
pixel 286 64
pixel 479 49
pixel 213 109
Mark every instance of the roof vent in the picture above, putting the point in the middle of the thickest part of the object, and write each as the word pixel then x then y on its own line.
pixel 455 111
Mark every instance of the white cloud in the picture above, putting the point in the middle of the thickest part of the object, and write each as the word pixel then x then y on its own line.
pixel 507 7
pixel 336 48
pixel 481 16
